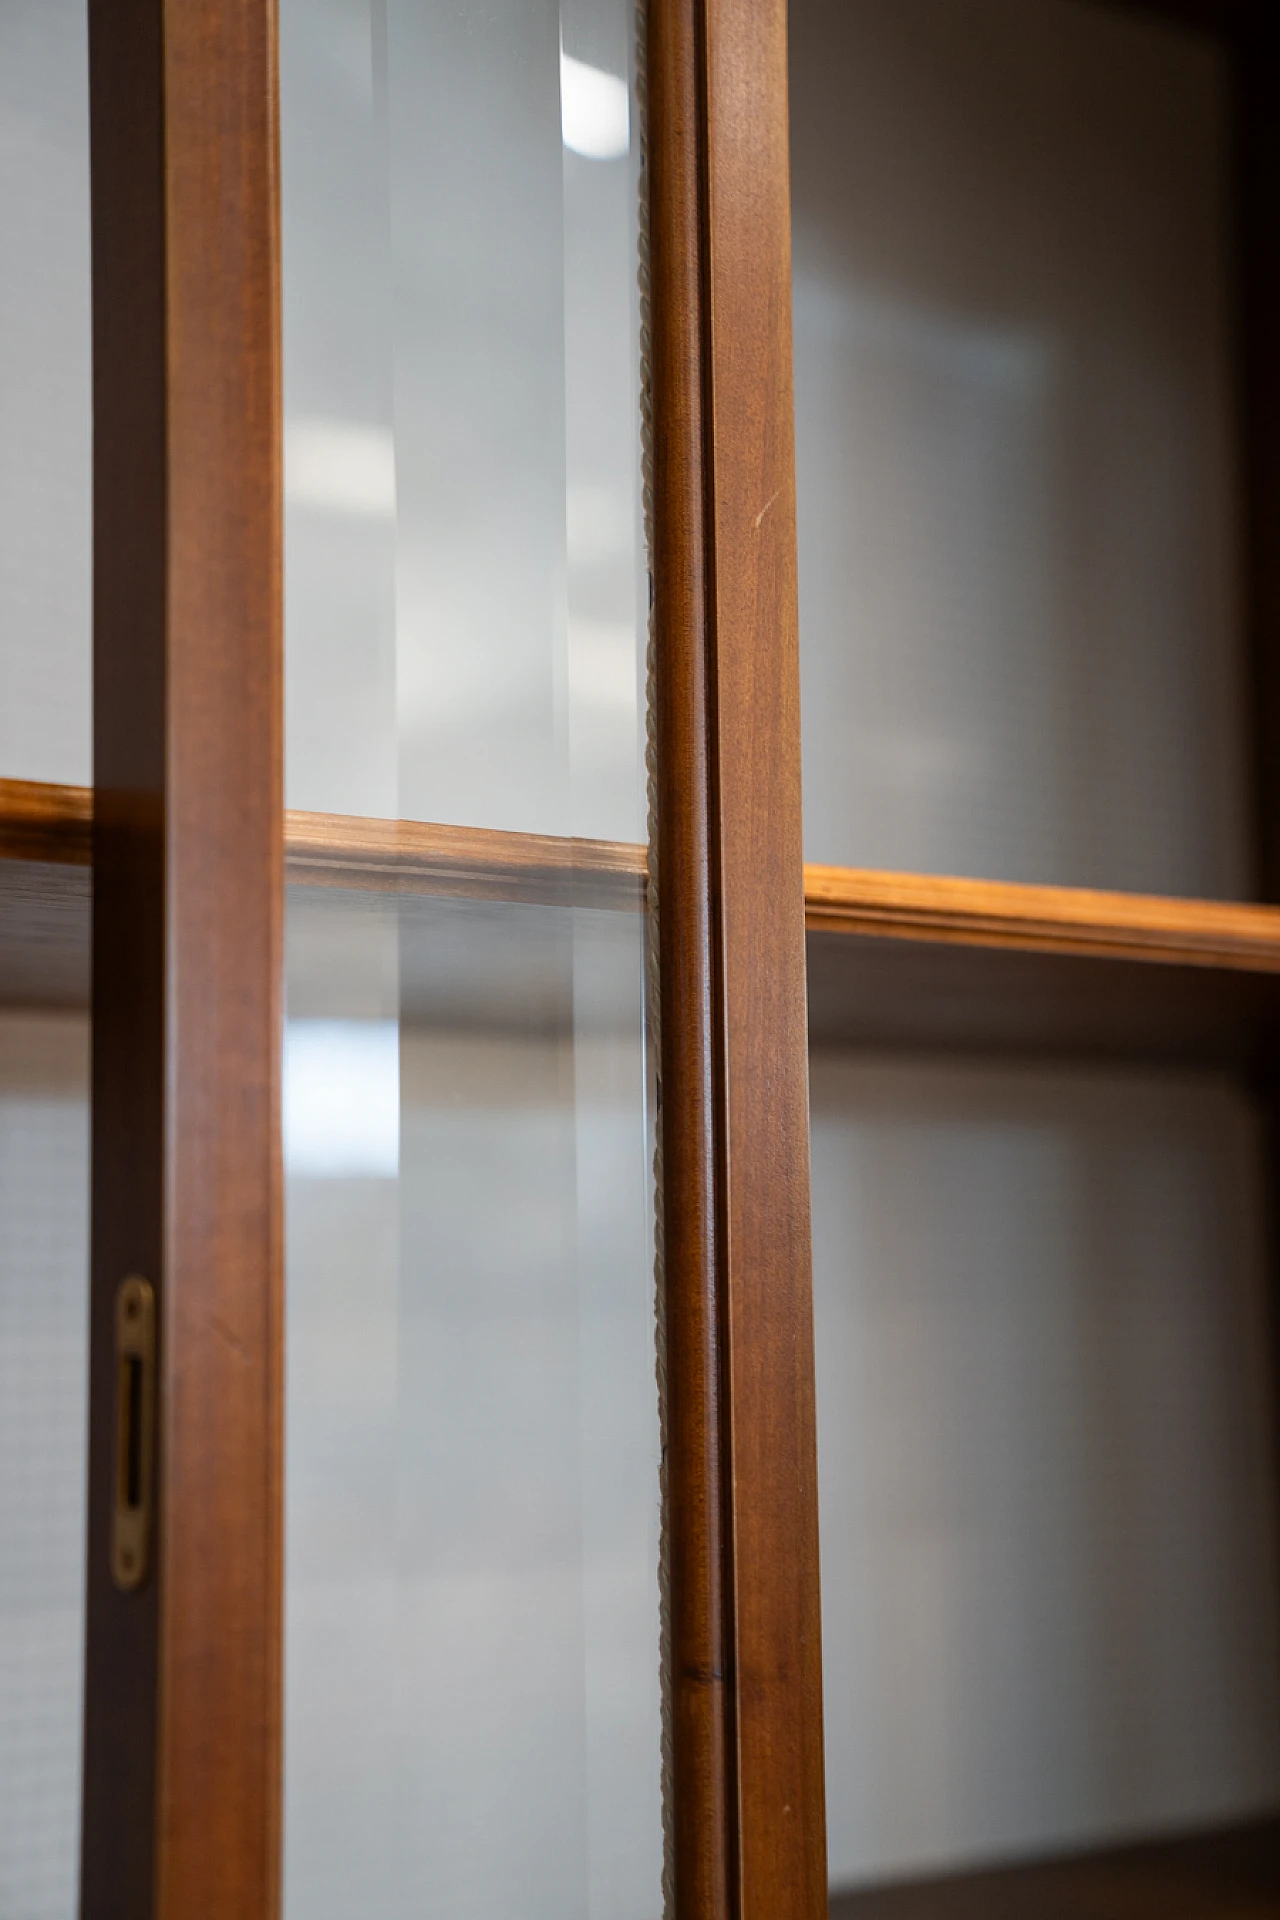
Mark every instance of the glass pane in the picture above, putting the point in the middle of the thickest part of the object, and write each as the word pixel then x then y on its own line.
pixel 46 677
pixel 44 1240
pixel 45 705
pixel 472 1630
pixel 463 581
pixel 1046 1464
pixel 1017 491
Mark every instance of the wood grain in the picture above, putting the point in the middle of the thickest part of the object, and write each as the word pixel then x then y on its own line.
pixel 761 1018
pixel 700 1790
pixel 43 822
pixel 407 856
pixel 1065 920
pixel 1233 1874
pixel 183 1677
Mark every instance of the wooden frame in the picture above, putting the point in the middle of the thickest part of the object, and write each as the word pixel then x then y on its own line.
pixel 742 1511
pixel 181 1758
pixel 182 1740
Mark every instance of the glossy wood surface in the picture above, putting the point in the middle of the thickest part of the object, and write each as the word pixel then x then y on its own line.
pixel 408 856
pixel 46 823
pixel 182 1723
pixel 1065 920
pixel 759 895
pixel 1232 1874
pixel 700 1792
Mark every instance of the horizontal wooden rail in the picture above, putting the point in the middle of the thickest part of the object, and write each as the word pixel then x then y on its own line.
pixel 985 913
pixel 46 823
pixel 49 824
pixel 408 856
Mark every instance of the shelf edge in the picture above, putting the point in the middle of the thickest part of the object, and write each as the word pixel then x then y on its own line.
pixel 1064 920
pixel 44 822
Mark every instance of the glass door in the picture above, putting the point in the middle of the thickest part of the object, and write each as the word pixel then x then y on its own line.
pixel 450 1354
pixel 45 819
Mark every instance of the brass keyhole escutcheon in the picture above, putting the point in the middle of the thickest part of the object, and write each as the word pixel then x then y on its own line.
pixel 131 1521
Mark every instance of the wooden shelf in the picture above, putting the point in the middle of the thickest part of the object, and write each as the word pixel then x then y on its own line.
pixel 1231 1874
pixel 409 856
pixel 45 849
pixel 1066 920
pixel 895 960
pixel 908 961
pixel 46 824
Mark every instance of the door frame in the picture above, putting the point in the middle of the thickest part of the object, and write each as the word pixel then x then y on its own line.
pixel 182 1776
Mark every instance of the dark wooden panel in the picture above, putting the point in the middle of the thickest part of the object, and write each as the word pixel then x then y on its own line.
pixel 1228 1875
pixel 129 469
pixel 182 1710
pixel 761 1020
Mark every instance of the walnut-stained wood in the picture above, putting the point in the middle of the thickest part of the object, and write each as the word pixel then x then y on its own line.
pixel 1230 1874
pixel 907 961
pixel 43 822
pixel 1065 920
pixel 760 966
pixel 700 1787
pixel 409 856
pixel 181 1769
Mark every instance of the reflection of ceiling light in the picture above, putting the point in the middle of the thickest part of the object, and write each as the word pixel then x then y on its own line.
pixel 342 1098
pixel 337 466
pixel 598 524
pixel 595 114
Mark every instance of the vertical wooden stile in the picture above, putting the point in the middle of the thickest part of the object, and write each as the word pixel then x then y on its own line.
pixel 745 1652
pixel 701 1790
pixel 181 1767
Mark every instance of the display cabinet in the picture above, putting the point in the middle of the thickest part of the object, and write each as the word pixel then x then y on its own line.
pixel 423 608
